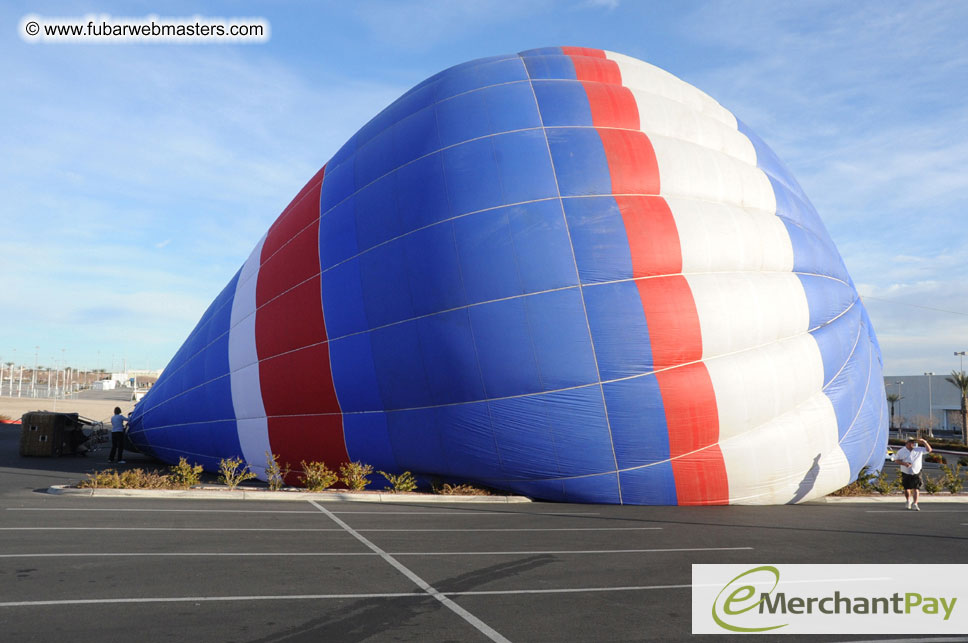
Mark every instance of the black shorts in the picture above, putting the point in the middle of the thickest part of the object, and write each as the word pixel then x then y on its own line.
pixel 911 480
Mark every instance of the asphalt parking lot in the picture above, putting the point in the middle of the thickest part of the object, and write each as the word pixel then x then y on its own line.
pixel 119 569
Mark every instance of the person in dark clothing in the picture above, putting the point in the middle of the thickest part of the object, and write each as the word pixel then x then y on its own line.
pixel 117 436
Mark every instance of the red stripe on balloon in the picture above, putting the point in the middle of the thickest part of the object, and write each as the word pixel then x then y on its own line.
pixel 631 162
pixel 652 234
pixel 591 64
pixel 612 105
pixel 583 51
pixel 687 393
pixel 693 421
pixel 670 312
pixel 303 415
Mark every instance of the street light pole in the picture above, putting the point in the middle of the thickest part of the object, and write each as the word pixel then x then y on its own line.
pixel 899 398
pixel 930 407
pixel 962 355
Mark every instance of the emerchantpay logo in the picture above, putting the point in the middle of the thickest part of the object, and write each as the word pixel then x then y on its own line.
pixel 829 599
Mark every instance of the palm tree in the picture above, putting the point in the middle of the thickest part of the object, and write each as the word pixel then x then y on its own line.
pixel 960 381
pixel 892 399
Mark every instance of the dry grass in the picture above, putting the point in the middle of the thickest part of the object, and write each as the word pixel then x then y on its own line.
pixel 447 489
pixel 354 475
pixel 233 472
pixel 401 483
pixel 184 475
pixel 317 476
pixel 130 479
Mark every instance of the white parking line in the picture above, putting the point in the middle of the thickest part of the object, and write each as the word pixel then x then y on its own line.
pixel 457 512
pixel 576 551
pixel 567 590
pixel 129 554
pixel 305 597
pixel 934 639
pixel 203 511
pixel 323 529
pixel 202 599
pixel 480 625
pixel 914 513
pixel 179 554
pixel 530 529
pixel 162 529
pixel 475 513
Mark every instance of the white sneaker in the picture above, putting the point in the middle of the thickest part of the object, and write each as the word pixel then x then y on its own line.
pixel 909 501
pixel 916 507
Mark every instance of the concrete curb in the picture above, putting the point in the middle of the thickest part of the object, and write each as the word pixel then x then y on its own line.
pixel 924 499
pixel 264 494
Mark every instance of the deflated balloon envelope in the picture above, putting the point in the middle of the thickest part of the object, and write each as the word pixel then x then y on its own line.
pixel 564 273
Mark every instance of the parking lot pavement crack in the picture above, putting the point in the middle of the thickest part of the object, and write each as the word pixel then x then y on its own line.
pixel 477 623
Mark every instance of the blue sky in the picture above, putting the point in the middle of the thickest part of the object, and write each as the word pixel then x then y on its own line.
pixel 135 178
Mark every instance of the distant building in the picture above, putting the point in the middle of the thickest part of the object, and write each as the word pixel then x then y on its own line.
pixel 912 410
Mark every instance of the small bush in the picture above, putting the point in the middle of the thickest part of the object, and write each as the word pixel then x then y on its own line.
pixel 934 457
pixel 931 485
pixel 886 487
pixel 141 479
pixel 951 479
pixel 401 483
pixel 863 485
pixel 963 461
pixel 275 476
pixel 107 479
pixel 461 490
pixel 184 475
pixel 130 479
pixel 354 475
pixel 317 476
pixel 232 472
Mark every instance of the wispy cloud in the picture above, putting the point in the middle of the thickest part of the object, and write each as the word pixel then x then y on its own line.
pixel 857 99
pixel 611 5
pixel 184 146
pixel 421 24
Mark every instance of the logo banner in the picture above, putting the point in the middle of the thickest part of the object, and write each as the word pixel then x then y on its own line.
pixel 773 598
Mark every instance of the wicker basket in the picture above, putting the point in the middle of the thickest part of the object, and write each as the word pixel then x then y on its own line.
pixel 48 434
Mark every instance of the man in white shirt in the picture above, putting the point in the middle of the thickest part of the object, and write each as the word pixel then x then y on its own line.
pixel 911 458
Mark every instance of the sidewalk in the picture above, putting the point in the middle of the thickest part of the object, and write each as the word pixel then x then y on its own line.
pixel 221 493
pixel 925 499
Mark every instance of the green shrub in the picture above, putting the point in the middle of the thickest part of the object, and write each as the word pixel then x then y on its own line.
pixel 232 472
pixel 403 482
pixel 317 476
pixel 461 490
pixel 184 475
pixel 141 479
pixel 107 479
pixel 884 486
pixel 275 476
pixel 863 485
pixel 934 457
pixel 931 485
pixel 951 479
pixel 354 475
pixel 130 479
pixel 963 461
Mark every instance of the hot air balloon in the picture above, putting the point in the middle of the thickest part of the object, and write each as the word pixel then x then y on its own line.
pixel 564 273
